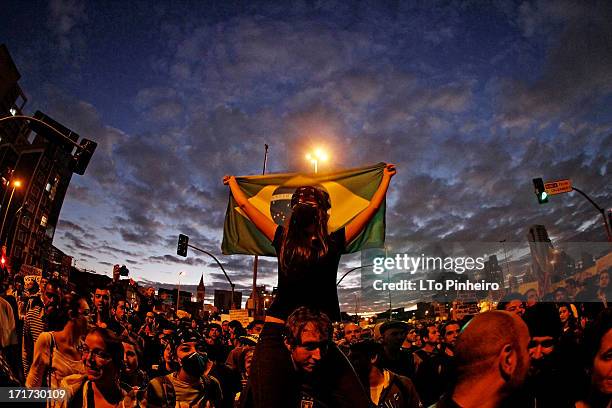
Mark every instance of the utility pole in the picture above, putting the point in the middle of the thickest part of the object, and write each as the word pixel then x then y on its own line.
pixel 601 211
pixel 255 295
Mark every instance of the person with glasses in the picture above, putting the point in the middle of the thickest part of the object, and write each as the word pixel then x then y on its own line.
pixel 99 386
pixel 55 353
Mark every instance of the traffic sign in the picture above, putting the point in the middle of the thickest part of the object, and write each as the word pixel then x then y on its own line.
pixel 558 187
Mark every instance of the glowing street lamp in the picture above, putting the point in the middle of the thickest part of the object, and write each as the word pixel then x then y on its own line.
pixel 319 155
pixel 16 184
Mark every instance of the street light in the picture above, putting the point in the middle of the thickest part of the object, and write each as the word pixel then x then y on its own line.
pixel 178 289
pixel 16 184
pixel 319 155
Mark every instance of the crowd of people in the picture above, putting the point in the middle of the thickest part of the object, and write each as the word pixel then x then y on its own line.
pixel 105 351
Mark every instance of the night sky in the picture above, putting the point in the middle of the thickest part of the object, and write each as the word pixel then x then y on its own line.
pixel 470 101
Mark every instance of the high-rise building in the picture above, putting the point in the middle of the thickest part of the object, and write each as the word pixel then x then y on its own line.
pixel 541 250
pixel 223 300
pixel 538 233
pixel 44 167
pixel 492 271
pixel 12 98
pixel 42 162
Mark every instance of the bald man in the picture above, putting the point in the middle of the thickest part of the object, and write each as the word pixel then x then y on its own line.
pixel 492 360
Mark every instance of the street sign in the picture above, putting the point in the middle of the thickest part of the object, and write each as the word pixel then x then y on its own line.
pixel 558 187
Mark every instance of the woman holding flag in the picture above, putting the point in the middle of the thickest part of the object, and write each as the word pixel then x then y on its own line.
pixel 308 258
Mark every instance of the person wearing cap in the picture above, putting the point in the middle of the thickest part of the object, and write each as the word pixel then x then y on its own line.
pixel 189 385
pixel 394 358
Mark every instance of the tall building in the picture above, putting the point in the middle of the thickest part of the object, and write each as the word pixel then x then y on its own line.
pixel 492 271
pixel 541 249
pixel 44 167
pixel 12 98
pixel 43 163
pixel 264 300
pixel 168 297
pixel 201 291
pixel 223 300
pixel 60 262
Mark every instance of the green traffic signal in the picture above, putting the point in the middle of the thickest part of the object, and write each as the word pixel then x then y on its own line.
pixel 540 191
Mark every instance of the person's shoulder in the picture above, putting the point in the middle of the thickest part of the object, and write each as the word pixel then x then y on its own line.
pixel 72 384
pixel 339 235
pixel 211 382
pixel 44 339
pixel 278 235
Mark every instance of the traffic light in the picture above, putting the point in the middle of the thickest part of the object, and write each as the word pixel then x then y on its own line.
pixel 3 260
pixel 540 191
pixel 183 241
pixel 83 155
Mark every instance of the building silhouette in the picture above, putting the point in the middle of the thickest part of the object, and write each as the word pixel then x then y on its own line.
pixel 541 250
pixel 492 271
pixel 43 162
pixel 201 291
pixel 223 300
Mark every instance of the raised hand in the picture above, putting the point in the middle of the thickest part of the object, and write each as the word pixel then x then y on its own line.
pixel 226 179
pixel 389 170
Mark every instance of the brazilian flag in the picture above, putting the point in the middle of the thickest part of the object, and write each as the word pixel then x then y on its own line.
pixel 350 192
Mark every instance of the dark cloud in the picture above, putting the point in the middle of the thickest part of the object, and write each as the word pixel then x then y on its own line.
pixel 470 109
pixel 577 72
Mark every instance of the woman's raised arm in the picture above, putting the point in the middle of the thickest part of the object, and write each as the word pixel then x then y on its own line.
pixel 358 223
pixel 263 223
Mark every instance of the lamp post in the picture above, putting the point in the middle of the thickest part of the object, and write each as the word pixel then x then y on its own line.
pixel 319 155
pixel 178 289
pixel 16 184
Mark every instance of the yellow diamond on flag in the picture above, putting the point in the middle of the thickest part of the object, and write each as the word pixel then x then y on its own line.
pixel 345 205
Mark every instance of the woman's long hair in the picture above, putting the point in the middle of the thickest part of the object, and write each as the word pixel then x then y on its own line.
pixel 299 246
pixel 68 309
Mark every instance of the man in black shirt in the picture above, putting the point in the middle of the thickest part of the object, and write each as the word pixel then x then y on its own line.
pixel 395 358
pixel 435 373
